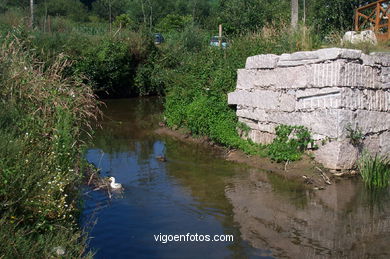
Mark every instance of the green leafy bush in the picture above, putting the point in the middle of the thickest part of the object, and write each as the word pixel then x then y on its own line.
pixel 111 66
pixel 290 143
pixel 173 22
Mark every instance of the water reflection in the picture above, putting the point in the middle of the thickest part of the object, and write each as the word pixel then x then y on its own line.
pixel 197 192
pixel 335 223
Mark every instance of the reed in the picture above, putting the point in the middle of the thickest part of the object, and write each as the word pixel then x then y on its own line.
pixel 375 170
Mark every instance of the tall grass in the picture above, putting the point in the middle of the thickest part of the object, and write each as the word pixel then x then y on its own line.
pixel 43 115
pixel 375 170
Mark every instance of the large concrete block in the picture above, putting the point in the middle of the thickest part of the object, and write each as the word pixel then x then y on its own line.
pixel 327 98
pixel 284 78
pixel 384 143
pixel 338 53
pixel 267 127
pixel 310 57
pixel 246 79
pixel 253 114
pixel 331 123
pixel 337 155
pixel 250 123
pixel 241 97
pixel 267 61
pixel 265 99
pixel 381 58
pixel 372 144
pixel 298 59
pixel 324 90
pixel 371 100
pixel 287 102
pixel 261 137
pixel 372 121
pixel 342 73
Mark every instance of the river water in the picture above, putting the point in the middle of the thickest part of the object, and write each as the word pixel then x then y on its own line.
pixel 197 192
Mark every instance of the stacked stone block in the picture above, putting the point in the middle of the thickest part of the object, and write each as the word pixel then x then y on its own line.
pixel 324 90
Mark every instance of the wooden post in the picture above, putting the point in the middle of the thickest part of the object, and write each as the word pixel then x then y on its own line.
pixel 220 36
pixel 377 17
pixel 356 20
pixel 388 27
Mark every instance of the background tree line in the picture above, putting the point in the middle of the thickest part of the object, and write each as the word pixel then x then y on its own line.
pixel 238 16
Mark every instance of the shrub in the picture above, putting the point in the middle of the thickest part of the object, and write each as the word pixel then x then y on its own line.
pixel 111 65
pixel 290 143
pixel 173 22
pixel 375 170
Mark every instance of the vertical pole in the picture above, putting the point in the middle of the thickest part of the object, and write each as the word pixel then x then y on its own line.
pixel 294 13
pixel 356 20
pixel 388 26
pixel 109 7
pixel 377 17
pixel 304 12
pixel 220 36
pixel 31 14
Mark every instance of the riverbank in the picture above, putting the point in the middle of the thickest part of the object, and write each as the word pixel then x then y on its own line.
pixel 305 171
pixel 44 117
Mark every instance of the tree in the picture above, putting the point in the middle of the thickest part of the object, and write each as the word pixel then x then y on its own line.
pixel 31 13
pixel 109 9
pixel 337 15
pixel 174 22
pixel 294 13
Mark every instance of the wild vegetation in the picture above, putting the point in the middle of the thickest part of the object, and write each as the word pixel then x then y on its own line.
pixel 43 115
pixel 375 170
pixel 52 64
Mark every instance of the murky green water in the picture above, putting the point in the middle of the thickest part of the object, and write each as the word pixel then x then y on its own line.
pixel 197 192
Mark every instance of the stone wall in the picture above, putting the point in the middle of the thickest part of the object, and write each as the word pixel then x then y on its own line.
pixel 324 90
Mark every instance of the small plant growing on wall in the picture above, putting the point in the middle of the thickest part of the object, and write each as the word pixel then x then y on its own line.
pixel 355 135
pixel 290 143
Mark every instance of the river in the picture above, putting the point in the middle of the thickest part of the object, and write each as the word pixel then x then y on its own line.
pixel 196 191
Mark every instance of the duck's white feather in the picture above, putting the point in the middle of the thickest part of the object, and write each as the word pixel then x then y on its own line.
pixel 115 185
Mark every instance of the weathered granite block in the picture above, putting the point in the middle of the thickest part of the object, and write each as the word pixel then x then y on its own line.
pixel 325 90
pixel 262 61
pixel 337 155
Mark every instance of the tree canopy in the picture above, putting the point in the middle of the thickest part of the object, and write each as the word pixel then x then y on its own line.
pixel 237 16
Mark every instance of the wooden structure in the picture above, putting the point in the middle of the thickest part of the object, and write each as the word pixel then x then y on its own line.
pixel 375 17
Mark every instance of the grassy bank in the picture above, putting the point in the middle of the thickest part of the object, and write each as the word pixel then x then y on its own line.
pixel 43 115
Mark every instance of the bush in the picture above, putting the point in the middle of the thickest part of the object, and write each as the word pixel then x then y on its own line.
pixel 111 65
pixel 290 143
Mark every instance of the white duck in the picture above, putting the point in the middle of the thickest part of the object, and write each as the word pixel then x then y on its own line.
pixel 115 185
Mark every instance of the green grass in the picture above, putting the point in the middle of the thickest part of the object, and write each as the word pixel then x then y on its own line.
pixel 375 170
pixel 43 116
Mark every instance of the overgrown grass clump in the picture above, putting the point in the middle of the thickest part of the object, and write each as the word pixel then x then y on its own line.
pixel 375 170
pixel 43 116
